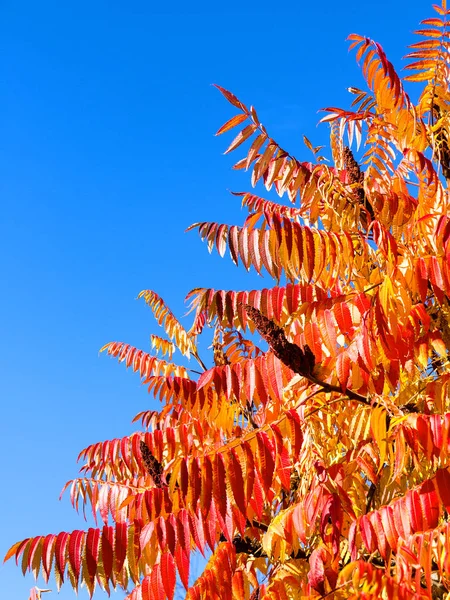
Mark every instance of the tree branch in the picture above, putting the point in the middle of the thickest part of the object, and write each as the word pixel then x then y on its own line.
pixel 249 546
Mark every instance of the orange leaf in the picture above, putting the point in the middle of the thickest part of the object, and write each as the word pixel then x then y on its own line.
pixel 233 122
pixel 241 137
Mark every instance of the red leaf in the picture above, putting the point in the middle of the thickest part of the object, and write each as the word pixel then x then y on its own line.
pixel 313 339
pixel 329 331
pixel 296 432
pixel 60 553
pixel 414 510
pixel 236 480
pixel 156 584
pixel 266 459
pixel 233 243
pixel 363 345
pixel 195 482
pixel 244 248
pixel 260 381
pixel 220 486
pixel 120 546
pixel 274 367
pixel 197 530
pixel 257 499
pixel 160 528
pixel 368 534
pixel 284 465
pixel 34 554
pixel 183 531
pixel 428 499
pixel 437 433
pixel 377 524
pixel 182 560
pixel 298 522
pixel 207 482
pixel 230 97
pixel 278 301
pixel 249 470
pixel 92 551
pixel 316 575
pixel 253 248
pixel 388 523
pixel 332 514
pixel 75 543
pixel 48 552
pixel 171 533
pixel 146 534
pixel 205 378
pixel 104 503
pixel 442 483
pixel 168 574
pixel 401 519
pixel 144 592
pixel 343 369
pixel 184 477
pixel 436 274
pixel 210 527
pixel 107 550
pixel 343 318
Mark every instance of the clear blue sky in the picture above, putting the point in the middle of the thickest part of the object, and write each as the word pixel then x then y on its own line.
pixel 107 154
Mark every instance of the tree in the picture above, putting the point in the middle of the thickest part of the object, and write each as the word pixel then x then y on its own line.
pixel 317 465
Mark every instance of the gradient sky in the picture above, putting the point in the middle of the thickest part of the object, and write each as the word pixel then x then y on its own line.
pixel 107 154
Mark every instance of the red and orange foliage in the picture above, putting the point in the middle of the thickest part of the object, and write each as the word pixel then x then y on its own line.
pixel 319 465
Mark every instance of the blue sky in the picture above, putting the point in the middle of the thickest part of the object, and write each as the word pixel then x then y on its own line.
pixel 107 154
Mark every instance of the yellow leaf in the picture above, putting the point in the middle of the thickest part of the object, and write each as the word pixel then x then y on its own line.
pixel 439 346
pixel 378 428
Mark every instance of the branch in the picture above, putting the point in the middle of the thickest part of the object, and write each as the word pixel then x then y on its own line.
pixel 199 360
pixel 254 548
pixel 247 412
pixel 257 524
pixel 370 496
pixel 327 387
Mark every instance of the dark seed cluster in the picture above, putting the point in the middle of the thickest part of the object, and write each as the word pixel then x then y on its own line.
pixel 153 466
pixel 220 358
pixel 298 360
pixel 356 176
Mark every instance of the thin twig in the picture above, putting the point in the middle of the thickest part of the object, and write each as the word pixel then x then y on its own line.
pixel 327 387
pixel 199 360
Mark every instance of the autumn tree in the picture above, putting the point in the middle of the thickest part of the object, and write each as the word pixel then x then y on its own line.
pixel 312 459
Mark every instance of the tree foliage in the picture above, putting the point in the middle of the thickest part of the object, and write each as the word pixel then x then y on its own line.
pixel 316 465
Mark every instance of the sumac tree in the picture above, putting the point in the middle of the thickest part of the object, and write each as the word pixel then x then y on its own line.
pixel 317 465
